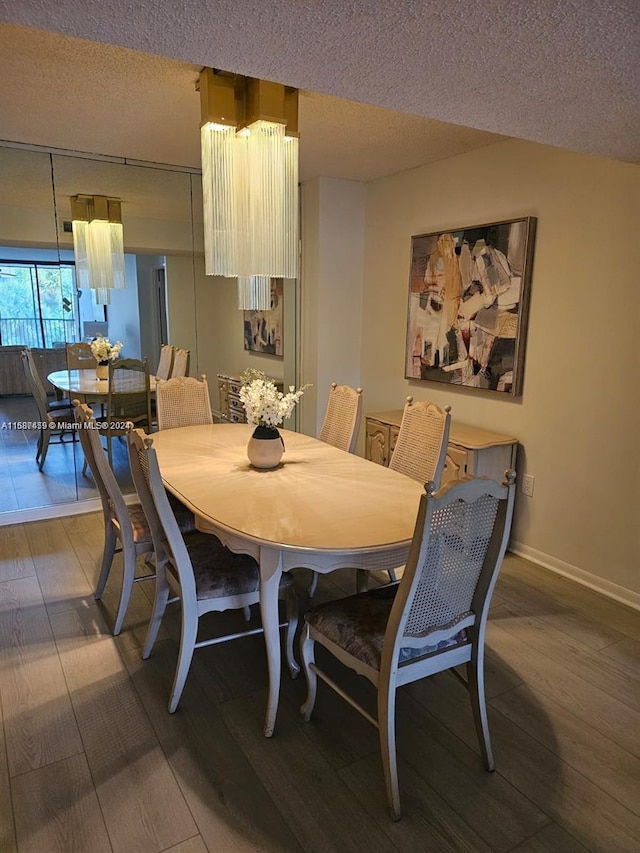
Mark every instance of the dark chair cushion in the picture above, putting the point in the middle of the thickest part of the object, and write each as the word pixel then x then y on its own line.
pixel 358 623
pixel 220 573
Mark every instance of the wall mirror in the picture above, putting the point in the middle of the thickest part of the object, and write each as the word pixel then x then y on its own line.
pixel 167 298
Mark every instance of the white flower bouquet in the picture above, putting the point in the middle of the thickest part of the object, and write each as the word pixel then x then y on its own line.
pixel 264 404
pixel 103 350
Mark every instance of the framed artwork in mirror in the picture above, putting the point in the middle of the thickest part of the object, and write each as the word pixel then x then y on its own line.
pixel 468 305
pixel 263 329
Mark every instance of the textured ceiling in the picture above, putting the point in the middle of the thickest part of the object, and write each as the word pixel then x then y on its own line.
pixel 564 73
pixel 65 92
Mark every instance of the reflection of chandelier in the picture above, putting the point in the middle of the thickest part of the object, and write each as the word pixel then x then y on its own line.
pixel 250 182
pixel 98 244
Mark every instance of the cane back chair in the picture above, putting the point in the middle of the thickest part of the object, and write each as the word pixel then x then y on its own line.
pixel 342 417
pixel 434 619
pixel 183 401
pixel 203 574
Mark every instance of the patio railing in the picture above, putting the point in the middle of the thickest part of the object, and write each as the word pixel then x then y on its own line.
pixel 31 332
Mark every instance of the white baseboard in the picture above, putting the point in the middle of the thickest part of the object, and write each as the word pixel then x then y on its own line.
pixel 42 513
pixel 601 585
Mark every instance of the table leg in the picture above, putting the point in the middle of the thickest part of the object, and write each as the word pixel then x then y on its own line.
pixel 270 574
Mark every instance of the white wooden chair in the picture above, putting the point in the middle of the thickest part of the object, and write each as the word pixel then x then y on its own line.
pixel 340 429
pixel 123 523
pixel 180 365
pixel 421 446
pixel 421 449
pixel 205 575
pixel 165 362
pixel 434 619
pixel 52 416
pixel 342 417
pixel 183 401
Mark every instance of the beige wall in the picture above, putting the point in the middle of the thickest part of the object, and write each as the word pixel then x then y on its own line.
pixel 181 317
pixel 333 254
pixel 220 332
pixel 579 417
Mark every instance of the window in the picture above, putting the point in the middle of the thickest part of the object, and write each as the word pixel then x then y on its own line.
pixel 38 304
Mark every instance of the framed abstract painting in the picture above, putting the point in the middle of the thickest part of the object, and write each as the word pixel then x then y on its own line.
pixel 263 329
pixel 468 305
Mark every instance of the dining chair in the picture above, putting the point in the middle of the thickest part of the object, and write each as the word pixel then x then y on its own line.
pixel 340 429
pixel 342 417
pixel 165 362
pixel 53 416
pixel 180 365
pixel 79 356
pixel 421 447
pixel 183 401
pixel 123 523
pixel 204 574
pixel 433 619
pixel 420 451
pixel 128 399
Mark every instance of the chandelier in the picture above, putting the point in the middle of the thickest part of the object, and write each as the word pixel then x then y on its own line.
pixel 98 244
pixel 249 144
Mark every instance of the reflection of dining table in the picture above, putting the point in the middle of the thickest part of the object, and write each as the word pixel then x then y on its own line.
pixel 321 509
pixel 85 385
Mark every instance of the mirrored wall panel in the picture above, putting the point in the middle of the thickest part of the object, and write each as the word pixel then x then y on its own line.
pixel 166 298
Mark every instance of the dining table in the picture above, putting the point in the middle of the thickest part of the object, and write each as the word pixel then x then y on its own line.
pixel 85 385
pixel 321 508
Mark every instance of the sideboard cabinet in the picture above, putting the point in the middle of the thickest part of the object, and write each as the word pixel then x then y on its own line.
pixel 230 405
pixel 231 408
pixel 471 450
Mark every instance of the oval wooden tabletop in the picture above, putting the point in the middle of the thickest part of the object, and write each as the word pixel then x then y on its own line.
pixel 318 498
pixel 85 382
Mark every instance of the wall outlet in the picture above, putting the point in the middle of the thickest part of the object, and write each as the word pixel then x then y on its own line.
pixel 528 482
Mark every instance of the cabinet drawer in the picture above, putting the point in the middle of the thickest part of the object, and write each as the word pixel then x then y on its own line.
pixel 235 405
pixel 236 417
pixel 455 465
pixel 234 387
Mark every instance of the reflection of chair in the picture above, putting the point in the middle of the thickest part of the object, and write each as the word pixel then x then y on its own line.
pixel 80 357
pixel 53 417
pixel 421 447
pixel 204 574
pixel 433 620
pixel 128 399
pixel 165 363
pixel 122 523
pixel 183 401
pixel 180 362
pixel 342 417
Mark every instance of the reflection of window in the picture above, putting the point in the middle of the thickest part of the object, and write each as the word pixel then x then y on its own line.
pixel 37 304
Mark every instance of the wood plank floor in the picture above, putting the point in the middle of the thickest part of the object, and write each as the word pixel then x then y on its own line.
pixel 90 760
pixel 23 485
